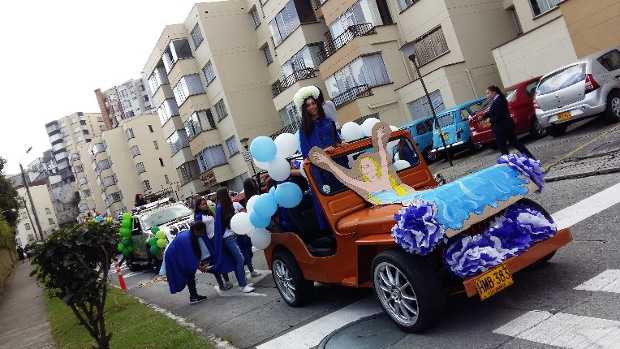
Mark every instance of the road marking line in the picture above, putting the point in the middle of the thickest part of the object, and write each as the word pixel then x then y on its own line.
pixel 587 207
pixel 128 275
pixel 564 330
pixel 311 334
pixel 607 281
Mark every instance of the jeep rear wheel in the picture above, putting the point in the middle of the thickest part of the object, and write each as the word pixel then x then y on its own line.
pixel 294 289
pixel 408 289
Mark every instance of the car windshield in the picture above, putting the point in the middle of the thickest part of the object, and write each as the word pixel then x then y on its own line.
pixel 398 149
pixel 164 215
pixel 511 95
pixel 562 79
pixel 445 120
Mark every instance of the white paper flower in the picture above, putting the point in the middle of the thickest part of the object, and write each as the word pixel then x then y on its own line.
pixel 303 93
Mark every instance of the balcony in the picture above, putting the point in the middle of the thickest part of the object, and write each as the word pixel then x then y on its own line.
pixel 356 30
pixel 55 137
pixel 352 94
pixel 280 85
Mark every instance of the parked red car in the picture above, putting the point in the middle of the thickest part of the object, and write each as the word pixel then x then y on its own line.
pixel 521 105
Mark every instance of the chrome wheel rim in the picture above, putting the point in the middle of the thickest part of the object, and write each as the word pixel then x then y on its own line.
pixel 284 281
pixel 615 106
pixel 396 294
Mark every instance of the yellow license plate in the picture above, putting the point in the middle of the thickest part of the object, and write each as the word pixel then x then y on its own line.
pixel 493 281
pixel 564 116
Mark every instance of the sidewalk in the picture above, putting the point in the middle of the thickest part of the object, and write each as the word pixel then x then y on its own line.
pixel 23 313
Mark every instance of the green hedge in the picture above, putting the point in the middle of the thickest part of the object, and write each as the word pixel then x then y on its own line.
pixel 7 235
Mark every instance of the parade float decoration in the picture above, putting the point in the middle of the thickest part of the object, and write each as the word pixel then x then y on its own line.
pixel 157 242
pixel 125 246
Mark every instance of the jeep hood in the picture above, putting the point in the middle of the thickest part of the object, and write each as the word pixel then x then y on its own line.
pixel 375 220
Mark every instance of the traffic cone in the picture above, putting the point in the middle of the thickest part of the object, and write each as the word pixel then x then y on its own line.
pixel 121 280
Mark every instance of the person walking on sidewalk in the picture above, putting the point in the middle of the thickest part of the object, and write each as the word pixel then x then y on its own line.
pixel 245 243
pixel 224 211
pixel 502 124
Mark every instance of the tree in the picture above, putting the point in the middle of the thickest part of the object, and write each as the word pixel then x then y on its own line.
pixel 9 204
pixel 73 265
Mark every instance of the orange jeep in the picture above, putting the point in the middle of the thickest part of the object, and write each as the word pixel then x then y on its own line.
pixel 412 289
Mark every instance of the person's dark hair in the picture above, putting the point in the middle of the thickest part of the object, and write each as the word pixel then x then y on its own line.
pixel 222 197
pixel 197 208
pixel 249 188
pixel 306 118
pixel 197 229
pixel 497 90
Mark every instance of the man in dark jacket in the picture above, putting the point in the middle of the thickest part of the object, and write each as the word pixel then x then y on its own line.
pixel 502 124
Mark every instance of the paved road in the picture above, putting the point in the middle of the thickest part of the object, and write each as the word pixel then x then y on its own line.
pixel 529 315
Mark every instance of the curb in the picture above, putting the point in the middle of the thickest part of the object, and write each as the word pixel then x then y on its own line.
pixel 583 174
pixel 595 155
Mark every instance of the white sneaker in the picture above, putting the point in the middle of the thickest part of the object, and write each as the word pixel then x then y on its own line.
pixel 246 289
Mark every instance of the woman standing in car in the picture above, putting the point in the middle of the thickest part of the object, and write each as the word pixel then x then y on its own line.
pixel 501 122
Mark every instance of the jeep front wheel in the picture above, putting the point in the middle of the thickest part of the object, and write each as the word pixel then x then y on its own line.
pixel 294 289
pixel 408 289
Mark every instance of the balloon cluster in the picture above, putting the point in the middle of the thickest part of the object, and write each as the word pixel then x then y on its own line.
pixel 125 246
pixel 158 241
pixel 269 155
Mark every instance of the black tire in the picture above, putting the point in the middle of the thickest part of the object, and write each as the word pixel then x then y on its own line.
pixel 429 156
pixel 537 131
pixel 286 273
pixel 556 130
pixel 612 112
pixel 424 284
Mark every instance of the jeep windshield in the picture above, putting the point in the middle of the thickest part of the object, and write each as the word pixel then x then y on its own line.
pixel 164 215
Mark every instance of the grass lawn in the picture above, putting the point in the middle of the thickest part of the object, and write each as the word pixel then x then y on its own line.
pixel 132 324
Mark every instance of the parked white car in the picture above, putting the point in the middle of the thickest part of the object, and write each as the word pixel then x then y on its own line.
pixel 580 90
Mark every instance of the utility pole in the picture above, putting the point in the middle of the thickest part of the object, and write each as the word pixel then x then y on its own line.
pixel 34 210
pixel 430 103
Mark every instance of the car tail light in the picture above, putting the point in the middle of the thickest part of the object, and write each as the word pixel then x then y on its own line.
pixel 591 84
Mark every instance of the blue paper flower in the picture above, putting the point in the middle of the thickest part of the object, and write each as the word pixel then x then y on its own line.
pixel 470 255
pixel 532 222
pixel 510 233
pixel 417 229
pixel 529 167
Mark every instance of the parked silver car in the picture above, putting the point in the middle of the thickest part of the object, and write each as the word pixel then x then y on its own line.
pixel 580 90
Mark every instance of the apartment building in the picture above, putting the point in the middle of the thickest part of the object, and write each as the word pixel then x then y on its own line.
pixel 124 161
pixel 26 230
pixel 66 135
pixel 124 101
pixel 592 25
pixel 210 72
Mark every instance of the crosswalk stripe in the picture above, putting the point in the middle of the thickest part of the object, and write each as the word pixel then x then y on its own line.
pixel 564 330
pixel 587 207
pixel 607 281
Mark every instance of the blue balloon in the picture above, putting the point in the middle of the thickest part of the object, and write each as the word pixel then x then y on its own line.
pixel 259 221
pixel 263 149
pixel 288 195
pixel 98 219
pixel 265 205
pixel 272 190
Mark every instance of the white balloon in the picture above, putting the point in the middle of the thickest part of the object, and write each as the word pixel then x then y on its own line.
pixel 261 238
pixel 279 169
pixel 250 205
pixel 260 164
pixel 351 131
pixel 393 128
pixel 240 223
pixel 286 145
pixel 367 126
pixel 401 164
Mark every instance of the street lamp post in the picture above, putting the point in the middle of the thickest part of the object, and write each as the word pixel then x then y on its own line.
pixel 411 56
pixel 248 158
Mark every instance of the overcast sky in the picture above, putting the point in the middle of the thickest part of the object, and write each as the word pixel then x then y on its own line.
pixel 56 53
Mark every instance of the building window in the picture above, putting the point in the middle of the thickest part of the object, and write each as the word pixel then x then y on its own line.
pixel 220 110
pixel 102 165
pixel 108 181
pixel 188 171
pixel 289 115
pixel 405 4
pixel 134 151
pixel 140 167
pixel 27 226
pixel 289 18
pixel 430 46
pixel 542 6
pixel 177 49
pixel 48 211
pixel 166 179
pixel 177 141
pixel 267 53
pixel 86 193
pixel 116 197
pixel 129 133
pixel 362 12
pixel 151 128
pixel 188 85
pixel 85 132
pixel 197 36
pixel 199 121
pixel 146 184
pixel 255 17
pixel 167 109
pixel 161 162
pixel 419 108
pixel 366 71
pixel 157 78
pixel 209 73
pixel 232 145
pixel 308 57
pixel 211 157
